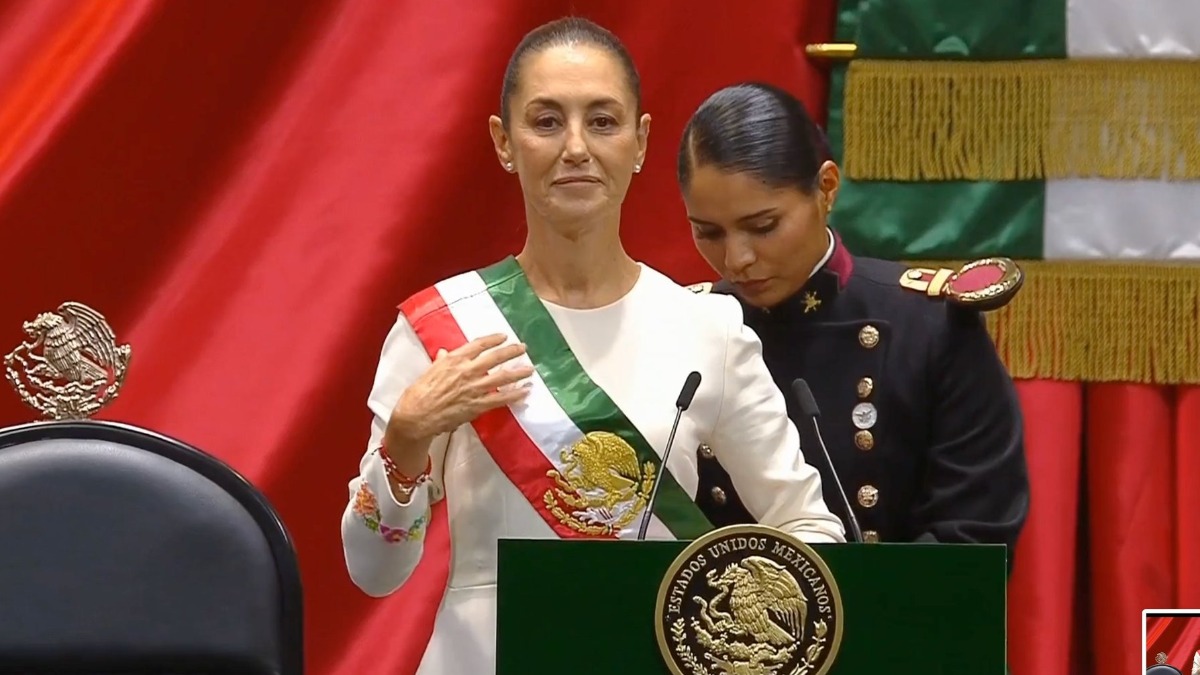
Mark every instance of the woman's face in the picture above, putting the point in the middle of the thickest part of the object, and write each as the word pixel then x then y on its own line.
pixel 764 240
pixel 574 137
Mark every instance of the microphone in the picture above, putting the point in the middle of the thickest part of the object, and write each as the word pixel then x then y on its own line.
pixel 682 403
pixel 808 406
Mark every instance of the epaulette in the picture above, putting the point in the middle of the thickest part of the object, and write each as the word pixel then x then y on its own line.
pixel 701 288
pixel 985 284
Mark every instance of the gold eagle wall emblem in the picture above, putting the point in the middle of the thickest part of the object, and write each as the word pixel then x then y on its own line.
pixel 70 366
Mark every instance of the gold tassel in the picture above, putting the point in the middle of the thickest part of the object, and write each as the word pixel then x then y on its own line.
pixel 1101 322
pixel 1022 120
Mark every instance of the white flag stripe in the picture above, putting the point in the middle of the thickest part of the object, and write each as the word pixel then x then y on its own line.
pixel 1139 29
pixel 1136 220
pixel 1126 219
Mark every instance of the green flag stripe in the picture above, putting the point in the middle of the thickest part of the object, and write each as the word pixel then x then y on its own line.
pixel 940 220
pixel 953 29
pixel 588 406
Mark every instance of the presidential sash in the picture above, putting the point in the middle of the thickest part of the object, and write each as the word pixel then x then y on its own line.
pixel 577 458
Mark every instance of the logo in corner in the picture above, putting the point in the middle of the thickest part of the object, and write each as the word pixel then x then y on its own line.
pixel 71 366
pixel 748 600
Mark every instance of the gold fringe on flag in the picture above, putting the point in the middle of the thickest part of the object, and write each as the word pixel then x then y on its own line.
pixel 1101 322
pixel 1022 120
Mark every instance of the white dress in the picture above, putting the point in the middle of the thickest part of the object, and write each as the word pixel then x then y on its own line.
pixel 639 350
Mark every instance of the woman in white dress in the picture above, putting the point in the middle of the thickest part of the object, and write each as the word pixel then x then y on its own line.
pixel 536 395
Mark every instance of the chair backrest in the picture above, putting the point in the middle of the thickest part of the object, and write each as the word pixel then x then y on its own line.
pixel 125 551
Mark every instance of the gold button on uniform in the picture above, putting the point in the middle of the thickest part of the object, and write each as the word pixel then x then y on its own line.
pixel 863 440
pixel 870 537
pixel 868 496
pixel 718 495
pixel 865 387
pixel 868 336
pixel 705 451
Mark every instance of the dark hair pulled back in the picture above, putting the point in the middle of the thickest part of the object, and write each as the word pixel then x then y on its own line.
pixel 758 129
pixel 562 32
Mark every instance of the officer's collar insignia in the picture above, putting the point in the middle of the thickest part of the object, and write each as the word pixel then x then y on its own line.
pixel 811 301
pixel 985 284
pixel 826 282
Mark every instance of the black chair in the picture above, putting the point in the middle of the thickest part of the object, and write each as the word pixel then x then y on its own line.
pixel 126 552
pixel 1162 667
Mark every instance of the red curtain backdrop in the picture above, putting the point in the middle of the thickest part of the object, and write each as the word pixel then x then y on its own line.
pixel 1112 524
pixel 247 189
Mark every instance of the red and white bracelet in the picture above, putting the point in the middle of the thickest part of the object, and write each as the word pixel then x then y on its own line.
pixel 398 477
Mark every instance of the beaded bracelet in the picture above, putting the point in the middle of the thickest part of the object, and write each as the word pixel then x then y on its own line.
pixel 396 476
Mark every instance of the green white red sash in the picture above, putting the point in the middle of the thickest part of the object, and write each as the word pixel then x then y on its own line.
pixel 598 489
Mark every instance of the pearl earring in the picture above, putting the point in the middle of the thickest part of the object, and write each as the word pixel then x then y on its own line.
pixel 508 166
pixel 637 168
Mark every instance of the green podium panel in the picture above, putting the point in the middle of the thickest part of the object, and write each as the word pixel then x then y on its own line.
pixel 588 607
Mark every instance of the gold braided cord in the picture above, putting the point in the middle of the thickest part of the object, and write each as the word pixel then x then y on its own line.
pixel 1101 322
pixel 1022 120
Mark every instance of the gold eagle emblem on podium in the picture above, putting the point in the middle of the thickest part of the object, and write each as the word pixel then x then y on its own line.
pixel 71 366
pixel 765 602
pixel 749 600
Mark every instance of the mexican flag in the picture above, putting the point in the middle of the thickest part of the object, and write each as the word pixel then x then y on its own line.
pixel 1064 134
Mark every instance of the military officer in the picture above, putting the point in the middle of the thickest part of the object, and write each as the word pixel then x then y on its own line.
pixel 919 414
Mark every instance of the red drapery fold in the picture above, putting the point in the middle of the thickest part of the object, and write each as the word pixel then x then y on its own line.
pixel 1042 593
pixel 1131 520
pixel 248 189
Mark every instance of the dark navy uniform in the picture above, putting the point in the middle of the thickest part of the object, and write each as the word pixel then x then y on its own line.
pixel 918 412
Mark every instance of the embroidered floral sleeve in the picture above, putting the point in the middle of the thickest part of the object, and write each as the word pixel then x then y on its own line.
pixel 382 538
pixel 366 508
